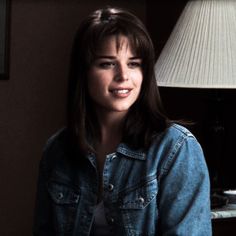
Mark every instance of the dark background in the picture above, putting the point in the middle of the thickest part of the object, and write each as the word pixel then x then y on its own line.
pixel 33 99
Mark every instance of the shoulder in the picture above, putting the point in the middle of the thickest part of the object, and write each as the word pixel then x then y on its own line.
pixel 55 148
pixel 175 135
pixel 176 131
pixel 174 143
pixel 58 138
pixel 178 145
pixel 181 137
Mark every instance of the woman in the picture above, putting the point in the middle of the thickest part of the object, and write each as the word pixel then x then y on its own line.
pixel 120 167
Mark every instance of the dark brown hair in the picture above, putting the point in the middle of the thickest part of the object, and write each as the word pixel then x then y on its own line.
pixel 146 117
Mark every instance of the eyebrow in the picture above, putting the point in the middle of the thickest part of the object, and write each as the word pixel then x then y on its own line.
pixel 113 57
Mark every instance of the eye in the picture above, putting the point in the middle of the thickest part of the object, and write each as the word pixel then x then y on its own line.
pixel 135 64
pixel 106 64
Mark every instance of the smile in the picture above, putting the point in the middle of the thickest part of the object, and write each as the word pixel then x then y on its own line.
pixel 120 91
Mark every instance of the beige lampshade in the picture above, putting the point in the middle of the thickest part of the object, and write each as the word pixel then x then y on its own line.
pixel 201 50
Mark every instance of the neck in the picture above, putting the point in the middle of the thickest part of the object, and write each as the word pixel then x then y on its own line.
pixel 111 126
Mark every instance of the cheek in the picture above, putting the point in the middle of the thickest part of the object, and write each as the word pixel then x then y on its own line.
pixel 96 78
pixel 139 85
pixel 138 80
pixel 96 87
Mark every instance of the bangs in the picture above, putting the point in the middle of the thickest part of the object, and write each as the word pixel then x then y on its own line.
pixel 137 41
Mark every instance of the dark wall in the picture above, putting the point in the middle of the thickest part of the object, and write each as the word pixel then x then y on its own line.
pixel 33 99
pixel 161 19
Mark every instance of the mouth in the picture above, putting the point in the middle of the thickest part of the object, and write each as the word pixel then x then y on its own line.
pixel 120 91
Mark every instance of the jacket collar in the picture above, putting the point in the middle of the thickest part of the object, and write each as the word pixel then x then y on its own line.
pixel 133 153
pixel 125 150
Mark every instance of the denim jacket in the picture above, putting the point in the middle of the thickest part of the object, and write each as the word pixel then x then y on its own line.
pixel 163 191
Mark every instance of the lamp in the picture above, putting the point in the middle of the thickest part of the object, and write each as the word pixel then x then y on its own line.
pixel 201 54
pixel 201 50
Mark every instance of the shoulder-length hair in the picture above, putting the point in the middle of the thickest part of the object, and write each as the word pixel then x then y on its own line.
pixel 146 116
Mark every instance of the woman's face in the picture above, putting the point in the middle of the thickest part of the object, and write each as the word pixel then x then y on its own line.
pixel 115 77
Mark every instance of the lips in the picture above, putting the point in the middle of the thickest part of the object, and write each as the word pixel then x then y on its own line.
pixel 120 92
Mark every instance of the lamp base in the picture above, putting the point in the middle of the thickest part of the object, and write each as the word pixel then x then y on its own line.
pixel 218 200
pixel 231 195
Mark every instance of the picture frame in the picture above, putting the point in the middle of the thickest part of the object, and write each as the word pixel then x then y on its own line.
pixel 4 30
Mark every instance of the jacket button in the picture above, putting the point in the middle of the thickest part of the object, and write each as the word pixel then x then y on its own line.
pixel 141 200
pixel 60 196
pixel 110 187
pixel 113 157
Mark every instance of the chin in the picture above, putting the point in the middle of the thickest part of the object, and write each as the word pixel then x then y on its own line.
pixel 122 108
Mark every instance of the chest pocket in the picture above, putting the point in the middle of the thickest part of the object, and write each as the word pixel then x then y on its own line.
pixel 65 199
pixel 138 208
pixel 140 196
pixel 62 194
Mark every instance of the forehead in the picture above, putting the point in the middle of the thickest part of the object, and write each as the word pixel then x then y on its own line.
pixel 115 44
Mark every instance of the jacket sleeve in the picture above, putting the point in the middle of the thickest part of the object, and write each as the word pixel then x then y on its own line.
pixel 184 199
pixel 42 215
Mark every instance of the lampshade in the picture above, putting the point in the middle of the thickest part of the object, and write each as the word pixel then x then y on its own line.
pixel 201 50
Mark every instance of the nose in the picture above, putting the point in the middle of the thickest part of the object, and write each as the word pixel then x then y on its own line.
pixel 121 73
